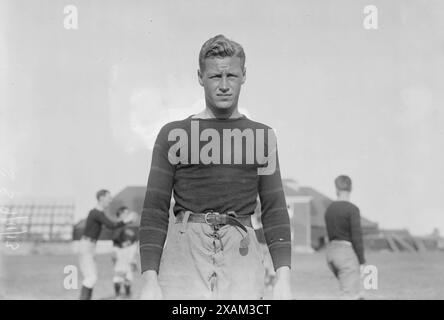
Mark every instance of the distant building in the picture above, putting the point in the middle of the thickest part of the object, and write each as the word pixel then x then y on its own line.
pixel 306 208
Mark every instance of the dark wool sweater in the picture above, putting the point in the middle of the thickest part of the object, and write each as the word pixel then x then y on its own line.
pixel 343 222
pixel 96 219
pixel 201 186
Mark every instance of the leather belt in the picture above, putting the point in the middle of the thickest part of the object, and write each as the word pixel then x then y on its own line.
pixel 217 219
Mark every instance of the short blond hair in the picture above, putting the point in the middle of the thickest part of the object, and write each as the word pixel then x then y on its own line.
pixel 220 47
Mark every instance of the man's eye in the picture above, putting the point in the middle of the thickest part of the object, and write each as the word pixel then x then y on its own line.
pixel 213 77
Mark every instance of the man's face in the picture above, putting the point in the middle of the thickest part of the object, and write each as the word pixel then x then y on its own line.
pixel 222 79
pixel 106 200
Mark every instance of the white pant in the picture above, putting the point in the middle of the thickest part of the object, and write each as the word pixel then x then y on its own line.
pixel 343 262
pixel 195 266
pixel 124 259
pixel 87 262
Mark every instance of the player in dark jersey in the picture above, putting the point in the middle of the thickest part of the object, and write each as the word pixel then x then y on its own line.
pixel 125 249
pixel 96 219
pixel 345 250
pixel 211 251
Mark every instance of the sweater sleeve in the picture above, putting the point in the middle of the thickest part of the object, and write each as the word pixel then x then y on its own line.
pixel 275 219
pixel 107 222
pixel 356 235
pixel 155 214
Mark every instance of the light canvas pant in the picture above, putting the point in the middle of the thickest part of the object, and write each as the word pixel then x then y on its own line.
pixel 87 262
pixel 123 266
pixel 194 265
pixel 343 262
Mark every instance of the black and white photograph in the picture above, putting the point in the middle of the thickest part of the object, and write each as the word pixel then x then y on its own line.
pixel 221 150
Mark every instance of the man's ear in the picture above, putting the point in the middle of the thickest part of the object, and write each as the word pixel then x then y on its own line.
pixel 199 77
pixel 244 75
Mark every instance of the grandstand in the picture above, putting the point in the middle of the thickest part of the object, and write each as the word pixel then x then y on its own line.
pixel 37 220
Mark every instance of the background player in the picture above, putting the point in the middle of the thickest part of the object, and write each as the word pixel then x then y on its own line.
pixel 96 219
pixel 345 251
pixel 125 250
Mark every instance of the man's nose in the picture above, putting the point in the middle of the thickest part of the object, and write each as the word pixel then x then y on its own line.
pixel 223 85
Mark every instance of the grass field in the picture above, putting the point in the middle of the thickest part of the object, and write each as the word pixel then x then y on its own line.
pixel 400 276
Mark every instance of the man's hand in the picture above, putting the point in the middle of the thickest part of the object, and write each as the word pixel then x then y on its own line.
pixel 151 289
pixel 131 217
pixel 281 289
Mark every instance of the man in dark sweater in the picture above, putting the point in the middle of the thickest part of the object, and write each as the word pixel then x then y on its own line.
pixel 211 251
pixel 345 251
pixel 95 221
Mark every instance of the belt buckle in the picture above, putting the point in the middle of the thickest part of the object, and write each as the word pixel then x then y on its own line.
pixel 206 217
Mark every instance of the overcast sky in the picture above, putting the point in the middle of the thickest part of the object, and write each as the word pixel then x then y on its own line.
pixel 80 108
